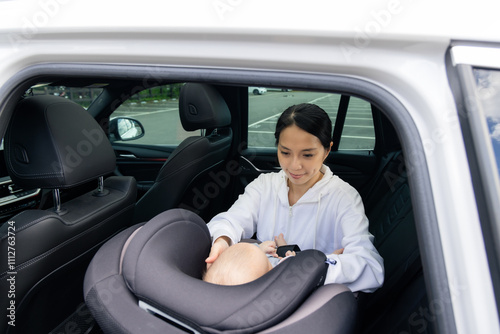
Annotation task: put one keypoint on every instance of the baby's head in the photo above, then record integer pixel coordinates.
(239, 264)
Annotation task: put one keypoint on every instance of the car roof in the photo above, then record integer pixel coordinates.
(361, 20)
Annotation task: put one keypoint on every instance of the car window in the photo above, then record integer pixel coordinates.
(358, 132)
(157, 110)
(84, 96)
(488, 91)
(265, 108)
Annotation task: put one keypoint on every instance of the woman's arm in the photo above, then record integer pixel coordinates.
(240, 221)
(359, 266)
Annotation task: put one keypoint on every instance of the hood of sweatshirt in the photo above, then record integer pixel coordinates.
(313, 194)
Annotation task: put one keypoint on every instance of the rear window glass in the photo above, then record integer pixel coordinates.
(266, 105)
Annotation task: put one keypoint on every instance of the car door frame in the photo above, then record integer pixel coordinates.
(419, 180)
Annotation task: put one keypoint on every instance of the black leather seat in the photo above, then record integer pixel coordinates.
(53, 143)
(392, 223)
(200, 107)
(155, 270)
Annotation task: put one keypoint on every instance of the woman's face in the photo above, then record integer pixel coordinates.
(301, 156)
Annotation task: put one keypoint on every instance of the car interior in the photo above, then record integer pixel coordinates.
(90, 190)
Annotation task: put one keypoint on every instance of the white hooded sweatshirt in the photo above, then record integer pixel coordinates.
(329, 216)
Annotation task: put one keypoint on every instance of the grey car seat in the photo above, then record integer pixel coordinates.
(147, 279)
(53, 143)
(200, 107)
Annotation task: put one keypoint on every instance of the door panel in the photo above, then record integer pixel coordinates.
(143, 163)
(356, 169)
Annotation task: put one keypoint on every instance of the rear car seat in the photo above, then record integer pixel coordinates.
(389, 210)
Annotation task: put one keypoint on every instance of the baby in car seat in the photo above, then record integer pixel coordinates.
(244, 262)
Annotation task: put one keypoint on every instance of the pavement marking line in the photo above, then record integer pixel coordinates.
(320, 98)
(277, 115)
(263, 120)
(351, 112)
(256, 131)
(360, 118)
(358, 137)
(263, 123)
(358, 126)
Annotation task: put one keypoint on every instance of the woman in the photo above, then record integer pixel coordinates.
(307, 203)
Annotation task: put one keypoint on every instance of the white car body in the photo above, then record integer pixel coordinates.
(399, 46)
(257, 90)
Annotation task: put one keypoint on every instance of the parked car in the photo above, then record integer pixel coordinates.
(257, 90)
(412, 88)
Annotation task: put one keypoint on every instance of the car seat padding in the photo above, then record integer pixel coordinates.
(164, 263)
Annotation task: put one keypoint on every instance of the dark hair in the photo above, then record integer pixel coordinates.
(310, 118)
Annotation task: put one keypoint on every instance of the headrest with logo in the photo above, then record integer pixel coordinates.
(202, 107)
(52, 142)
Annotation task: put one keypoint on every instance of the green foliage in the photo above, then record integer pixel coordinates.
(166, 92)
(84, 96)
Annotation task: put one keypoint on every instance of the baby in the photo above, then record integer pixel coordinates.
(244, 262)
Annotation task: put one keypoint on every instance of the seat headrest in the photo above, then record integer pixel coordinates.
(202, 107)
(164, 263)
(52, 142)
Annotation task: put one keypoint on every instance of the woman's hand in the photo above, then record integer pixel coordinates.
(219, 245)
(338, 251)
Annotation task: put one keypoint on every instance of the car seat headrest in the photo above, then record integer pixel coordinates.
(53, 142)
(164, 262)
(202, 107)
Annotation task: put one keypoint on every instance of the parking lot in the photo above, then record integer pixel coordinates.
(161, 121)
(265, 110)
